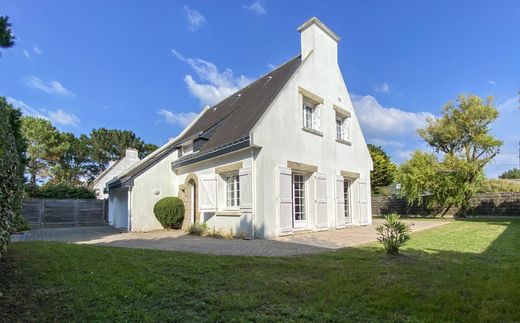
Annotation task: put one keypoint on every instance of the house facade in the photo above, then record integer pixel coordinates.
(113, 170)
(282, 155)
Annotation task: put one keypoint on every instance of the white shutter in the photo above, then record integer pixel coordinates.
(246, 188)
(340, 201)
(208, 192)
(363, 201)
(317, 117)
(285, 204)
(321, 201)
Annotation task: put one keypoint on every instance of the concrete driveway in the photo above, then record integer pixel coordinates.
(353, 236)
(177, 240)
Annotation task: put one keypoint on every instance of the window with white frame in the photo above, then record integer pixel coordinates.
(299, 197)
(311, 116)
(342, 127)
(232, 191)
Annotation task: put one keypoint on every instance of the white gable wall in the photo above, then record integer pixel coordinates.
(125, 163)
(281, 137)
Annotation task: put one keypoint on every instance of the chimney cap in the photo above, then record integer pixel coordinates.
(317, 22)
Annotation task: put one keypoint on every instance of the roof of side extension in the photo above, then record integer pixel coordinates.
(234, 117)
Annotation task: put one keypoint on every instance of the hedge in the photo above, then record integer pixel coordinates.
(12, 148)
(59, 191)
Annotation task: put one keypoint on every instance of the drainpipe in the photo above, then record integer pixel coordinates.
(253, 189)
(130, 201)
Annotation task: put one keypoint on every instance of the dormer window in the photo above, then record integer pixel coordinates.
(311, 116)
(186, 148)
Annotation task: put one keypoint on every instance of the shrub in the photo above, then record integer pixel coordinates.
(393, 233)
(198, 229)
(12, 147)
(170, 212)
(59, 191)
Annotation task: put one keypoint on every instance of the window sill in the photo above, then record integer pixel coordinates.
(314, 132)
(228, 213)
(343, 141)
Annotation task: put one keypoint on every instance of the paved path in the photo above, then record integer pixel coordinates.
(176, 240)
(353, 236)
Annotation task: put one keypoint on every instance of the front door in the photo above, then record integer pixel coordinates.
(299, 207)
(346, 192)
(193, 202)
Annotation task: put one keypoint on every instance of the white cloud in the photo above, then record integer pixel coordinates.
(61, 117)
(218, 85)
(271, 66)
(26, 53)
(509, 105)
(195, 19)
(37, 50)
(383, 88)
(181, 119)
(57, 116)
(492, 82)
(386, 143)
(380, 122)
(256, 7)
(53, 87)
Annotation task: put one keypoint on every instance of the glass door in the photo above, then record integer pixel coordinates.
(346, 192)
(299, 208)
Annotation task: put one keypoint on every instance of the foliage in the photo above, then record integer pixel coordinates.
(198, 229)
(393, 233)
(111, 144)
(6, 34)
(59, 191)
(478, 260)
(73, 165)
(170, 212)
(384, 170)
(12, 149)
(511, 174)
(499, 185)
(44, 147)
(20, 224)
(461, 137)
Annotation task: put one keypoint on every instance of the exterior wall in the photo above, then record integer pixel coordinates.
(122, 165)
(155, 183)
(281, 137)
(232, 221)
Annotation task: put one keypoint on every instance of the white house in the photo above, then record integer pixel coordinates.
(282, 155)
(115, 168)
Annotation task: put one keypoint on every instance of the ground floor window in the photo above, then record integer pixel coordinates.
(346, 193)
(299, 198)
(232, 190)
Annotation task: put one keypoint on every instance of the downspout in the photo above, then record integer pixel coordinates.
(130, 201)
(253, 188)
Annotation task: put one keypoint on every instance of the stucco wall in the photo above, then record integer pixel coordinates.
(281, 137)
(125, 163)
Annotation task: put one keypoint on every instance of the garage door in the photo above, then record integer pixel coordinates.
(121, 210)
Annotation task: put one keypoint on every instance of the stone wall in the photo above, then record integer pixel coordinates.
(488, 204)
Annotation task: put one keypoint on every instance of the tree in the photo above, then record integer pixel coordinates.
(384, 170)
(6, 36)
(44, 147)
(72, 164)
(111, 144)
(12, 150)
(511, 174)
(461, 138)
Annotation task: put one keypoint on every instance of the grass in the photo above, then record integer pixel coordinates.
(462, 271)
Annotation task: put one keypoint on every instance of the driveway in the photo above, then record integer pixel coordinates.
(177, 240)
(353, 236)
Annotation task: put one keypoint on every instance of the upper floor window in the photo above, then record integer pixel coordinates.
(342, 130)
(232, 190)
(311, 116)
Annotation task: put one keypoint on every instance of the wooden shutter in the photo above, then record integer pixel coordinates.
(363, 201)
(246, 188)
(321, 200)
(208, 192)
(340, 201)
(284, 198)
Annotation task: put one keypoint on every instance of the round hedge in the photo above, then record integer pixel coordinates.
(170, 212)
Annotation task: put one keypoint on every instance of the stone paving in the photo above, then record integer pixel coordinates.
(177, 240)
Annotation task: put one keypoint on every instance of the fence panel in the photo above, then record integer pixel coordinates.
(66, 212)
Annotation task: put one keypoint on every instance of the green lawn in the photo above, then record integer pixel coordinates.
(463, 271)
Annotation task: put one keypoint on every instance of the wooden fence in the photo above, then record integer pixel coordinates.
(65, 212)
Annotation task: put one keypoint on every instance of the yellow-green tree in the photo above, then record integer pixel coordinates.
(384, 170)
(462, 146)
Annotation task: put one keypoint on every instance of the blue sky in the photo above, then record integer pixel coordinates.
(150, 66)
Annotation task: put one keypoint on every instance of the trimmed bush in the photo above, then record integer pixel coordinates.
(393, 233)
(170, 212)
